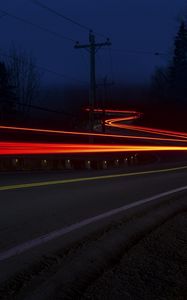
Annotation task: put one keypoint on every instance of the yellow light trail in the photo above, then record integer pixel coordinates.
(163, 136)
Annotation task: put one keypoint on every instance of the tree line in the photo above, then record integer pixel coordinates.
(170, 83)
(166, 105)
(19, 84)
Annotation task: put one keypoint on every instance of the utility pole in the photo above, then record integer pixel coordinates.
(92, 48)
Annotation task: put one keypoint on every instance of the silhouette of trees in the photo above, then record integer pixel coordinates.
(178, 68)
(7, 94)
(24, 77)
(170, 83)
(19, 85)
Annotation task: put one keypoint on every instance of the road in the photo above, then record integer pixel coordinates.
(30, 211)
(41, 212)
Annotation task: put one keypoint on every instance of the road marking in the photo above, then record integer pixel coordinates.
(74, 180)
(63, 231)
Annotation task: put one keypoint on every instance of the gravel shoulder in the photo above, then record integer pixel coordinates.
(142, 255)
(155, 268)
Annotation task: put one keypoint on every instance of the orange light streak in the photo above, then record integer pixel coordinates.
(24, 148)
(20, 148)
(108, 135)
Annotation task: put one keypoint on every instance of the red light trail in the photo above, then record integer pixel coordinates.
(156, 135)
(17, 148)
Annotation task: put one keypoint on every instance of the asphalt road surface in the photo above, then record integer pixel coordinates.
(35, 204)
(27, 212)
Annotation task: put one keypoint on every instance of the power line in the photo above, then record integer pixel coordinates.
(48, 70)
(36, 25)
(44, 6)
(42, 108)
(61, 75)
(142, 52)
(59, 14)
(46, 109)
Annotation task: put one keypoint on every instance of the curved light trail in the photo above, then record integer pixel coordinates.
(118, 119)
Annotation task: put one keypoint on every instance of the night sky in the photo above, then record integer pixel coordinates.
(147, 26)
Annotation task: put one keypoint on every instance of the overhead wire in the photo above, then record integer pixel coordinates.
(61, 75)
(142, 52)
(6, 13)
(46, 109)
(41, 108)
(47, 69)
(44, 6)
(36, 25)
(59, 14)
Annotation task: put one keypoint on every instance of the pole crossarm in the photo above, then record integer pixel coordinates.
(92, 47)
(97, 45)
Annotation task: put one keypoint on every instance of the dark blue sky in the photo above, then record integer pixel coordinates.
(137, 25)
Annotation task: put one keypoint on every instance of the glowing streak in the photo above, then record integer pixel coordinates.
(19, 148)
(108, 122)
(16, 148)
(114, 123)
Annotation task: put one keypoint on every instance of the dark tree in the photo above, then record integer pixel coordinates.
(7, 96)
(170, 83)
(178, 68)
(24, 77)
